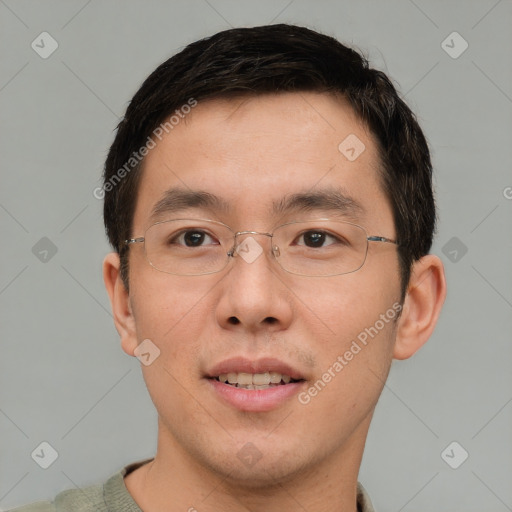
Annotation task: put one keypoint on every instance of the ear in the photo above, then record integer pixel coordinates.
(124, 319)
(422, 305)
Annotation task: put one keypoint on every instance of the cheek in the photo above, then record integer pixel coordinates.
(169, 311)
(353, 329)
(351, 376)
(172, 316)
(342, 307)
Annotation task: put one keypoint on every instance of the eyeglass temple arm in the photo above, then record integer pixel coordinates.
(134, 240)
(381, 239)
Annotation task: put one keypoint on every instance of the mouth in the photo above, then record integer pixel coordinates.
(255, 386)
(255, 381)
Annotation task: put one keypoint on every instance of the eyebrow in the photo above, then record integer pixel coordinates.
(333, 200)
(176, 200)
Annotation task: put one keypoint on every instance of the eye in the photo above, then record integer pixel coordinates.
(317, 238)
(191, 238)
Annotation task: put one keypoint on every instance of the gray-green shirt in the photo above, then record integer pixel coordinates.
(113, 496)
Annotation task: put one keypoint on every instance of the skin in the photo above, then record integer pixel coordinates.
(251, 152)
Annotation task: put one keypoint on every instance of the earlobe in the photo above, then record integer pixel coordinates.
(422, 305)
(120, 302)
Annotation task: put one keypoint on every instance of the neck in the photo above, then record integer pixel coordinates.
(175, 481)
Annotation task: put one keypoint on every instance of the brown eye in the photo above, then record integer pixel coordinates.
(191, 238)
(315, 239)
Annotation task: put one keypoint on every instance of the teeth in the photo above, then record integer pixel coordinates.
(260, 379)
(244, 379)
(275, 378)
(254, 380)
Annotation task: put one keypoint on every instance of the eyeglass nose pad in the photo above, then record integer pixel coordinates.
(233, 252)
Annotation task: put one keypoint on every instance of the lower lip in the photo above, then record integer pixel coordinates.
(256, 400)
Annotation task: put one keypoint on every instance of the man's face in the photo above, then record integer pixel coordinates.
(252, 153)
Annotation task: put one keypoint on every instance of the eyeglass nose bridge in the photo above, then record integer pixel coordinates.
(233, 251)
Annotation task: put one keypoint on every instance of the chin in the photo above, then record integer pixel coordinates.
(262, 476)
(253, 469)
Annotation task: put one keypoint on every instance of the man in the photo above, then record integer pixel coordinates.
(269, 200)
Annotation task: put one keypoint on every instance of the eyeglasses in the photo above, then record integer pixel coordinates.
(314, 248)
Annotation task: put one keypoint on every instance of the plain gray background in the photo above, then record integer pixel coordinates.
(64, 378)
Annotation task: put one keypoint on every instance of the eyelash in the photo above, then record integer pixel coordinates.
(177, 236)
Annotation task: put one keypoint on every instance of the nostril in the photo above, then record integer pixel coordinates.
(233, 320)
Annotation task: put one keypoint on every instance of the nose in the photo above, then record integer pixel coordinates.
(254, 295)
(241, 246)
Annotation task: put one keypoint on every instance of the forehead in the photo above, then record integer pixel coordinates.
(253, 155)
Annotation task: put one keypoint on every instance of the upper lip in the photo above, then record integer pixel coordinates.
(262, 365)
